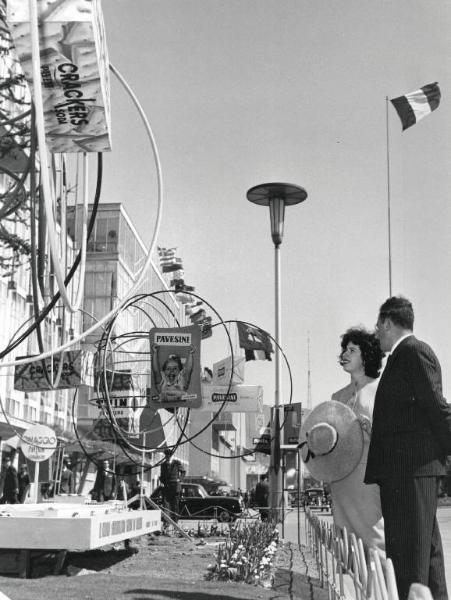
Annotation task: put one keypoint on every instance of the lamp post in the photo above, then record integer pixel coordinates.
(276, 196)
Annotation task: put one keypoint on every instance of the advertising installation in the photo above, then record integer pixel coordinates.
(227, 371)
(39, 443)
(239, 398)
(125, 399)
(40, 375)
(74, 70)
(175, 362)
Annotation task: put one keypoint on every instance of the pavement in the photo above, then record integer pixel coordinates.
(297, 576)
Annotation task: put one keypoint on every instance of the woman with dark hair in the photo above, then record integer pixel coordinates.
(357, 506)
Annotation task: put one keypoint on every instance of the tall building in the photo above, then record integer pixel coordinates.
(116, 255)
(19, 408)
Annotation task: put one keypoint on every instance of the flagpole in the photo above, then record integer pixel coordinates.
(388, 200)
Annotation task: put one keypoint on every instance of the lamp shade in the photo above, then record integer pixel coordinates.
(276, 196)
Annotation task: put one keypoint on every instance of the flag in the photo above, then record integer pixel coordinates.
(205, 328)
(179, 285)
(193, 307)
(416, 105)
(198, 316)
(169, 262)
(255, 342)
(173, 265)
(166, 253)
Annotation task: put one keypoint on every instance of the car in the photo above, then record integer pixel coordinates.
(316, 498)
(195, 503)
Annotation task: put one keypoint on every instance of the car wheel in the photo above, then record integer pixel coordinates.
(224, 516)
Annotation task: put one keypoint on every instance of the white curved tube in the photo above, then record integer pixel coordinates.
(148, 262)
(48, 191)
(84, 235)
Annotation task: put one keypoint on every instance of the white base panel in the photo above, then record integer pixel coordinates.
(72, 526)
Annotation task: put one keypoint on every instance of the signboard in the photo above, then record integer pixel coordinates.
(126, 399)
(226, 373)
(39, 443)
(292, 416)
(240, 398)
(74, 71)
(263, 442)
(104, 429)
(77, 370)
(175, 360)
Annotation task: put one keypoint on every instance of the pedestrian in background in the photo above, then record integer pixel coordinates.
(105, 483)
(171, 475)
(24, 483)
(10, 482)
(410, 439)
(67, 479)
(261, 497)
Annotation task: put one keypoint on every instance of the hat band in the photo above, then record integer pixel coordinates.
(311, 454)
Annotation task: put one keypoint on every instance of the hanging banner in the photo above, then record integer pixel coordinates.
(175, 362)
(225, 373)
(239, 398)
(77, 370)
(74, 70)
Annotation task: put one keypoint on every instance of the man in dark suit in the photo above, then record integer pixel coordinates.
(10, 483)
(171, 476)
(411, 437)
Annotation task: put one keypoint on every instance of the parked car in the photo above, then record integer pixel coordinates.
(195, 503)
(316, 498)
(295, 500)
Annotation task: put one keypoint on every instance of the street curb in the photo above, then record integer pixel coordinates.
(296, 574)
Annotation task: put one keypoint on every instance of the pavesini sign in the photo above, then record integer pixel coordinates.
(74, 70)
(239, 398)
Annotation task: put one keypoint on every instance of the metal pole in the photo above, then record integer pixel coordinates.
(388, 202)
(275, 479)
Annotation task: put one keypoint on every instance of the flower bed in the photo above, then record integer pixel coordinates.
(248, 555)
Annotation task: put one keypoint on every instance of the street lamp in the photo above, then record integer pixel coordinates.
(276, 196)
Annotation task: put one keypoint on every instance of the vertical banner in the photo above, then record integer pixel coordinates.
(175, 362)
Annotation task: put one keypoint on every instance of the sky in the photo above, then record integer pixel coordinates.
(243, 92)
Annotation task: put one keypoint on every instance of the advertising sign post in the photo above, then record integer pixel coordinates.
(38, 444)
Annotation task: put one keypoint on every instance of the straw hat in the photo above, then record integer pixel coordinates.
(331, 441)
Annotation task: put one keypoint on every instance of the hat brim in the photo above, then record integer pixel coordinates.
(346, 454)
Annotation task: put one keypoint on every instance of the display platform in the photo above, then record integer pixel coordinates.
(72, 526)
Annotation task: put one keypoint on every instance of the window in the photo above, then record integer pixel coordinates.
(105, 234)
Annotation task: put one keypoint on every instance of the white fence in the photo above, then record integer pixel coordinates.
(346, 567)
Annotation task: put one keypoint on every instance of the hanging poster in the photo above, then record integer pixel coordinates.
(74, 70)
(41, 375)
(175, 363)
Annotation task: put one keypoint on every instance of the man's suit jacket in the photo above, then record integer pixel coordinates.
(11, 485)
(411, 433)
